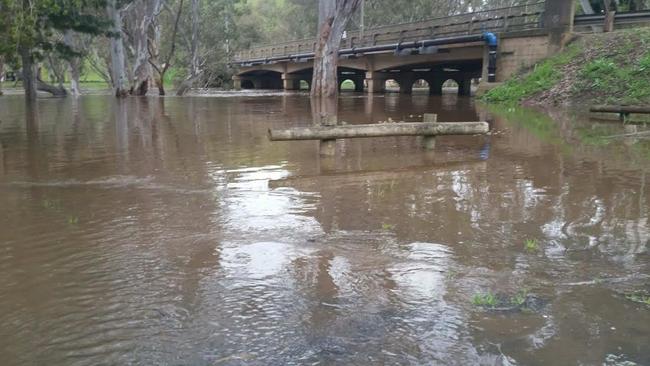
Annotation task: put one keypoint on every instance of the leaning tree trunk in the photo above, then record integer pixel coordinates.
(74, 64)
(118, 72)
(145, 11)
(333, 18)
(57, 91)
(28, 75)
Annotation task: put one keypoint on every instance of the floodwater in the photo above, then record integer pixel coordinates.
(172, 232)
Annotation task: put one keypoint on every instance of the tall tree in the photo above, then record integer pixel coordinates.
(333, 17)
(118, 60)
(143, 16)
(161, 66)
(194, 67)
(71, 40)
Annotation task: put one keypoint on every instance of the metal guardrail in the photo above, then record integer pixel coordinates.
(619, 19)
(510, 19)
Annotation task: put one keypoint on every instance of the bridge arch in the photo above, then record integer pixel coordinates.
(247, 84)
(351, 84)
(422, 86)
(392, 85)
(304, 84)
(260, 79)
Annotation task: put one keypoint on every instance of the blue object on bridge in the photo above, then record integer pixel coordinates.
(493, 44)
(491, 39)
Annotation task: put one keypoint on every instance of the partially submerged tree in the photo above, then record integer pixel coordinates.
(194, 68)
(333, 16)
(114, 9)
(161, 66)
(142, 18)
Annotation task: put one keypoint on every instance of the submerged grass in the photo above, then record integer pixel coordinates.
(640, 297)
(486, 300)
(531, 245)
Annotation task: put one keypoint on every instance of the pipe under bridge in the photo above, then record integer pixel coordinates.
(488, 45)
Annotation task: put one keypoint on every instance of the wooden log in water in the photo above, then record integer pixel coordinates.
(622, 109)
(379, 130)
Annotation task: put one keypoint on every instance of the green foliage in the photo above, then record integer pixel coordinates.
(614, 81)
(640, 297)
(531, 245)
(544, 76)
(32, 25)
(485, 300)
(519, 299)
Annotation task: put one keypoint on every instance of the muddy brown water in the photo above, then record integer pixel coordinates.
(172, 232)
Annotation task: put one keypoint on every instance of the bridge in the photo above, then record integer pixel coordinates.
(490, 45)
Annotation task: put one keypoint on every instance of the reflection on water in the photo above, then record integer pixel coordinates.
(171, 231)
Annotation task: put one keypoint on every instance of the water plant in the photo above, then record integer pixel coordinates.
(51, 203)
(487, 300)
(519, 299)
(387, 227)
(531, 245)
(640, 297)
(73, 220)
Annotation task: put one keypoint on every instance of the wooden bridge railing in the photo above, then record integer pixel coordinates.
(510, 19)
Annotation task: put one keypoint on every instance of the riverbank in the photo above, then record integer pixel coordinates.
(611, 68)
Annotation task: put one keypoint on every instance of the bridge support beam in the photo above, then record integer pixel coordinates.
(465, 86)
(290, 82)
(405, 81)
(236, 82)
(376, 82)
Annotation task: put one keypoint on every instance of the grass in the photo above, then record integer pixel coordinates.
(613, 81)
(542, 77)
(387, 227)
(531, 245)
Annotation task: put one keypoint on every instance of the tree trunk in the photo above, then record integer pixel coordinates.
(195, 72)
(145, 11)
(74, 64)
(118, 72)
(154, 51)
(2, 71)
(609, 16)
(29, 78)
(333, 17)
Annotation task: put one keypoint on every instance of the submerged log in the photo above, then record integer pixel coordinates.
(379, 130)
(622, 109)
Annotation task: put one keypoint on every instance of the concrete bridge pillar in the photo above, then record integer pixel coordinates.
(236, 82)
(376, 82)
(405, 81)
(290, 82)
(464, 86)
